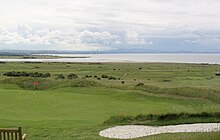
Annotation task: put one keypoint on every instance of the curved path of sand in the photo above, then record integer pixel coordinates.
(137, 131)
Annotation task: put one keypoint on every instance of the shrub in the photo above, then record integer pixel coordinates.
(112, 78)
(140, 85)
(105, 76)
(60, 76)
(217, 74)
(26, 74)
(72, 76)
(47, 75)
(166, 81)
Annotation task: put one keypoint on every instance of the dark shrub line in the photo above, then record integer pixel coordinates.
(26, 74)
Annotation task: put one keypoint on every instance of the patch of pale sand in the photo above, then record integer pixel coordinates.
(137, 131)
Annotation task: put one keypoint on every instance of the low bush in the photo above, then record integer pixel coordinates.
(217, 74)
(72, 76)
(166, 80)
(105, 76)
(140, 85)
(112, 78)
(98, 78)
(60, 76)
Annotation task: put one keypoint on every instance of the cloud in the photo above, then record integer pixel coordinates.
(10, 37)
(104, 38)
(72, 40)
(94, 24)
(133, 38)
(24, 29)
(212, 40)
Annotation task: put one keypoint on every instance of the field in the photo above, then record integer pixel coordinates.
(66, 109)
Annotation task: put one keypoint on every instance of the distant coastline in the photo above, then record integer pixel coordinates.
(34, 52)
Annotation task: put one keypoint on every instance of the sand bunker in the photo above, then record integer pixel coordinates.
(137, 131)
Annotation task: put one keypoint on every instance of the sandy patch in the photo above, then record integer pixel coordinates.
(137, 131)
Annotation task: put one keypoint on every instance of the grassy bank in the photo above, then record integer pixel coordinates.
(164, 119)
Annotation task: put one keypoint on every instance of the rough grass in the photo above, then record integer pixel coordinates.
(48, 83)
(164, 119)
(205, 93)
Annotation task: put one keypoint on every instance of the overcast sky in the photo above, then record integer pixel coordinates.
(162, 25)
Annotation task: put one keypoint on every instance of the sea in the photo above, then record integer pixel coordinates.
(204, 58)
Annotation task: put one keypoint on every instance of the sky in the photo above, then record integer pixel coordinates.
(114, 25)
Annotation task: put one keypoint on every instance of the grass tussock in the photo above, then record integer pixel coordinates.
(164, 119)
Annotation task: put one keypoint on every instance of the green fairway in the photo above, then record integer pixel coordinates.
(67, 109)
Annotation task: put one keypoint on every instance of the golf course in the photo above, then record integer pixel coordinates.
(75, 101)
